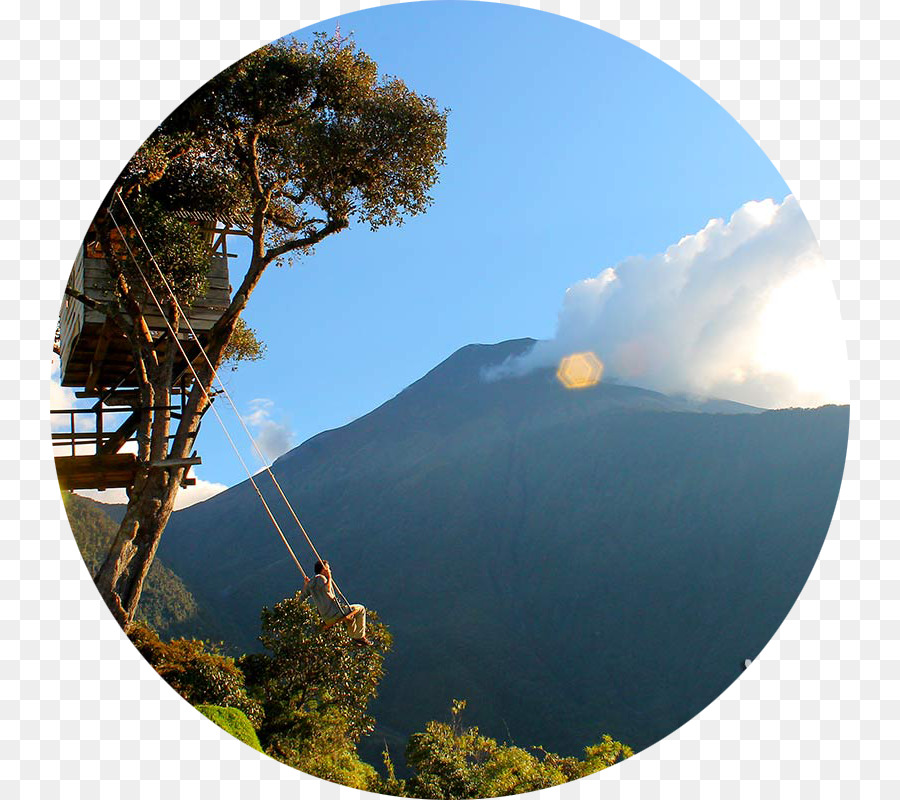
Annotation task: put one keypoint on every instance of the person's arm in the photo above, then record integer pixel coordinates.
(307, 585)
(326, 579)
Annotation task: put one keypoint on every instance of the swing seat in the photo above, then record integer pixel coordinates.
(336, 620)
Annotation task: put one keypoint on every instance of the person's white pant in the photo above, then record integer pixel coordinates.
(356, 627)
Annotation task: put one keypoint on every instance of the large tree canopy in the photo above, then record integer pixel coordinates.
(297, 139)
(289, 146)
(318, 132)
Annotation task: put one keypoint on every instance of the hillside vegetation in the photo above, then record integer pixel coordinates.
(166, 604)
(304, 701)
(571, 563)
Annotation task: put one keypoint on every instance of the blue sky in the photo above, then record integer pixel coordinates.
(569, 150)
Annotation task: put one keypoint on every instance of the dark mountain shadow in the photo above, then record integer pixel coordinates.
(570, 562)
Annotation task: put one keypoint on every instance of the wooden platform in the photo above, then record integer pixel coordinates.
(115, 470)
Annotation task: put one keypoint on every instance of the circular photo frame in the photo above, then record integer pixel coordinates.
(527, 399)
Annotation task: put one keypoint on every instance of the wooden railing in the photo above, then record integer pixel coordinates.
(105, 439)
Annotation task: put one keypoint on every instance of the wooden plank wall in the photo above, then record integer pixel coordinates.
(80, 328)
(71, 313)
(203, 314)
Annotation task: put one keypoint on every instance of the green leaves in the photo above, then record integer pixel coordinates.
(244, 345)
(311, 670)
(175, 243)
(290, 144)
(233, 721)
(315, 688)
(307, 699)
(311, 132)
(293, 142)
(319, 744)
(603, 755)
(452, 765)
(452, 762)
(197, 671)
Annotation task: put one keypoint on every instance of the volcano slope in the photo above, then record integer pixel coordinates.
(570, 562)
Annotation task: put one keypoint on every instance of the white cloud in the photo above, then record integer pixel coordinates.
(273, 438)
(741, 309)
(63, 397)
(203, 490)
(109, 496)
(188, 496)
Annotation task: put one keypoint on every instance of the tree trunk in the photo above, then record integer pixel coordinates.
(120, 578)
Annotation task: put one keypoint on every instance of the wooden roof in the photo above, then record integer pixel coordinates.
(235, 218)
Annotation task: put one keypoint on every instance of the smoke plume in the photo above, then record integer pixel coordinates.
(741, 310)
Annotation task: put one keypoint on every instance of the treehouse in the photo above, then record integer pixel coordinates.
(96, 361)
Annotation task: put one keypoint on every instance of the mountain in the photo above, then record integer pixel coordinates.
(115, 511)
(166, 604)
(570, 562)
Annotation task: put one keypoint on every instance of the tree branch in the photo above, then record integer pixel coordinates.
(294, 198)
(141, 332)
(221, 331)
(162, 392)
(145, 419)
(279, 216)
(333, 226)
(122, 322)
(254, 171)
(84, 299)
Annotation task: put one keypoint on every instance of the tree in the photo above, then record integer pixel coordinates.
(603, 755)
(315, 688)
(453, 762)
(319, 745)
(298, 140)
(446, 760)
(197, 670)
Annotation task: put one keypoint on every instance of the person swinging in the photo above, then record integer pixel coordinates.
(321, 590)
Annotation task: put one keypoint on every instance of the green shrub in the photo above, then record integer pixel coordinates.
(315, 688)
(603, 755)
(452, 762)
(308, 670)
(319, 743)
(233, 721)
(197, 671)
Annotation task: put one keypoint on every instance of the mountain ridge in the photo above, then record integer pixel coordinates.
(600, 560)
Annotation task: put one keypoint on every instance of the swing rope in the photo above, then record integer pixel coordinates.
(224, 390)
(207, 396)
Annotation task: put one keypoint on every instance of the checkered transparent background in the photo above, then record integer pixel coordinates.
(816, 83)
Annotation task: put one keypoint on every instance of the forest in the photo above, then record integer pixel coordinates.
(304, 700)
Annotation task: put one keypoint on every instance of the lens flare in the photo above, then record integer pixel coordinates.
(580, 370)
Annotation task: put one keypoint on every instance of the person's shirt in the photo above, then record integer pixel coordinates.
(325, 604)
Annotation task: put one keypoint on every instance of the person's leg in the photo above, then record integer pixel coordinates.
(356, 627)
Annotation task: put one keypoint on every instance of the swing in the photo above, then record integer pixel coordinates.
(180, 312)
(346, 618)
